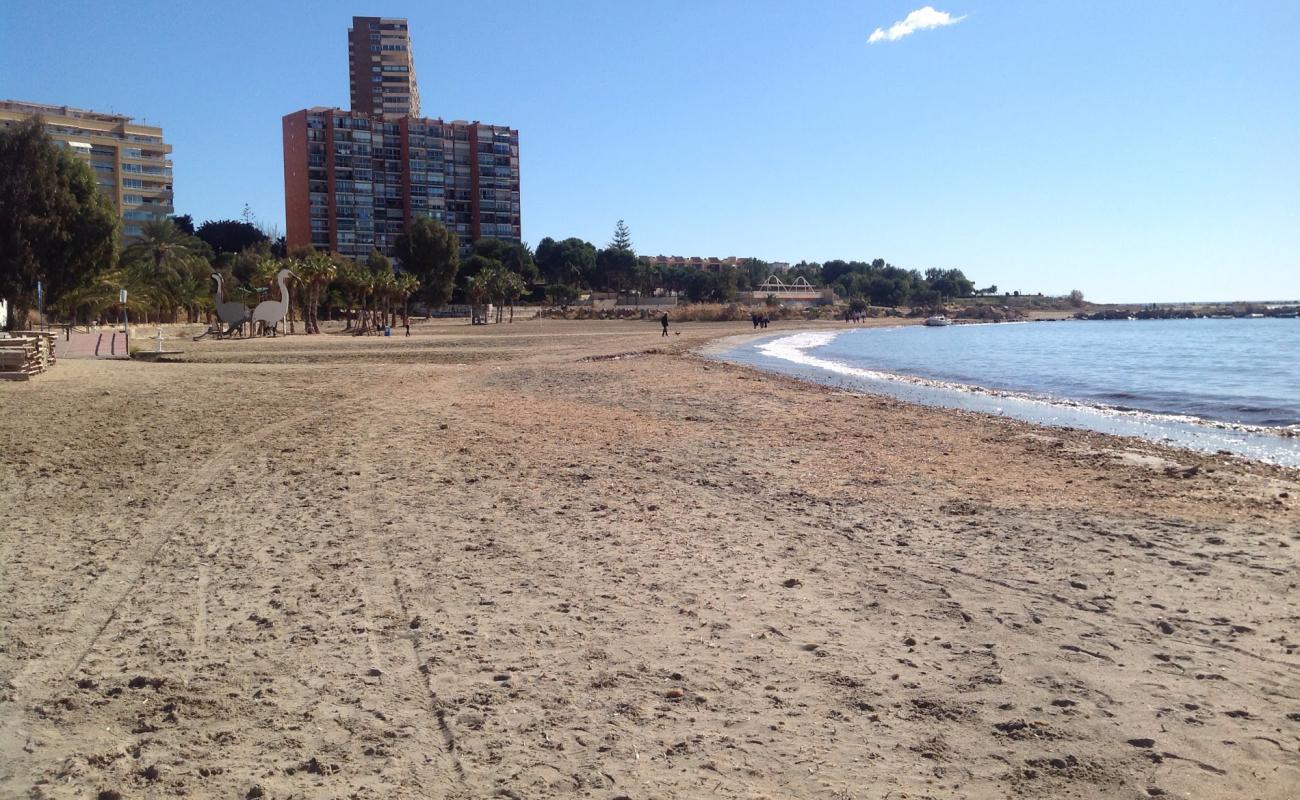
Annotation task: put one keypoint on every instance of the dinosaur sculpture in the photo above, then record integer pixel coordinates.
(271, 312)
(235, 315)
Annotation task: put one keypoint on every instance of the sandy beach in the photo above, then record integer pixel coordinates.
(501, 562)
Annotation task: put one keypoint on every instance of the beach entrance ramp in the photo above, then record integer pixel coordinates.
(93, 344)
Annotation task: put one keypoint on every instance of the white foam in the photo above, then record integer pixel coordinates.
(795, 349)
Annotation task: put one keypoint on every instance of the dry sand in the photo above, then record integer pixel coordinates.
(481, 563)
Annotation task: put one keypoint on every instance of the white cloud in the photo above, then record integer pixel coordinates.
(922, 19)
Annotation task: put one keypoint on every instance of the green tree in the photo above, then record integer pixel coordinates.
(571, 261)
(949, 283)
(316, 270)
(407, 285)
(478, 290)
(470, 268)
(354, 281)
(726, 286)
(230, 235)
(616, 265)
(382, 285)
(560, 294)
(385, 296)
(170, 268)
(430, 252)
(378, 262)
(499, 284)
(514, 255)
(246, 265)
(511, 287)
(622, 238)
(757, 271)
(56, 227)
(164, 245)
(616, 270)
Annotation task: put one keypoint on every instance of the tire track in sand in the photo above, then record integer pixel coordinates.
(201, 606)
(386, 610)
(84, 623)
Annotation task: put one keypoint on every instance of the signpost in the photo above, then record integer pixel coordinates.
(121, 299)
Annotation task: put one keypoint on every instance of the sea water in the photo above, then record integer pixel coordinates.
(1208, 384)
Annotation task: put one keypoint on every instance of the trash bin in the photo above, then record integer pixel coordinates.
(388, 330)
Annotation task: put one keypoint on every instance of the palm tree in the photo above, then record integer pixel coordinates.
(161, 267)
(190, 291)
(363, 284)
(316, 271)
(512, 288)
(351, 281)
(162, 243)
(91, 300)
(407, 285)
(385, 288)
(502, 285)
(477, 290)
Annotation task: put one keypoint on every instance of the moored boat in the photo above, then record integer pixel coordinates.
(938, 321)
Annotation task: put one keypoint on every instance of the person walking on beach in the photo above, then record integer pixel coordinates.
(408, 328)
(664, 322)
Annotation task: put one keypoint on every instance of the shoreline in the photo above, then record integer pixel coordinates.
(1181, 433)
(482, 562)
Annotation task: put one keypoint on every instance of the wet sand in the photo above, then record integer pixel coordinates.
(499, 562)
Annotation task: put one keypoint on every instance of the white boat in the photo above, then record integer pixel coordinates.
(938, 321)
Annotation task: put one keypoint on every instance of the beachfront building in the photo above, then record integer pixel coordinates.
(131, 162)
(713, 265)
(382, 68)
(353, 180)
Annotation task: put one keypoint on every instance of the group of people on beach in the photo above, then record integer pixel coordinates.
(854, 316)
(759, 320)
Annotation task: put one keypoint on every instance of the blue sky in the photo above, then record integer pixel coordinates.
(1137, 151)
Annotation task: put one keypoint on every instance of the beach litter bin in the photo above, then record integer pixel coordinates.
(388, 330)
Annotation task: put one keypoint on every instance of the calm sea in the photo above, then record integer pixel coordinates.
(1207, 384)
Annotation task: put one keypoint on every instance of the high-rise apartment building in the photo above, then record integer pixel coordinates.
(131, 162)
(354, 180)
(382, 68)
